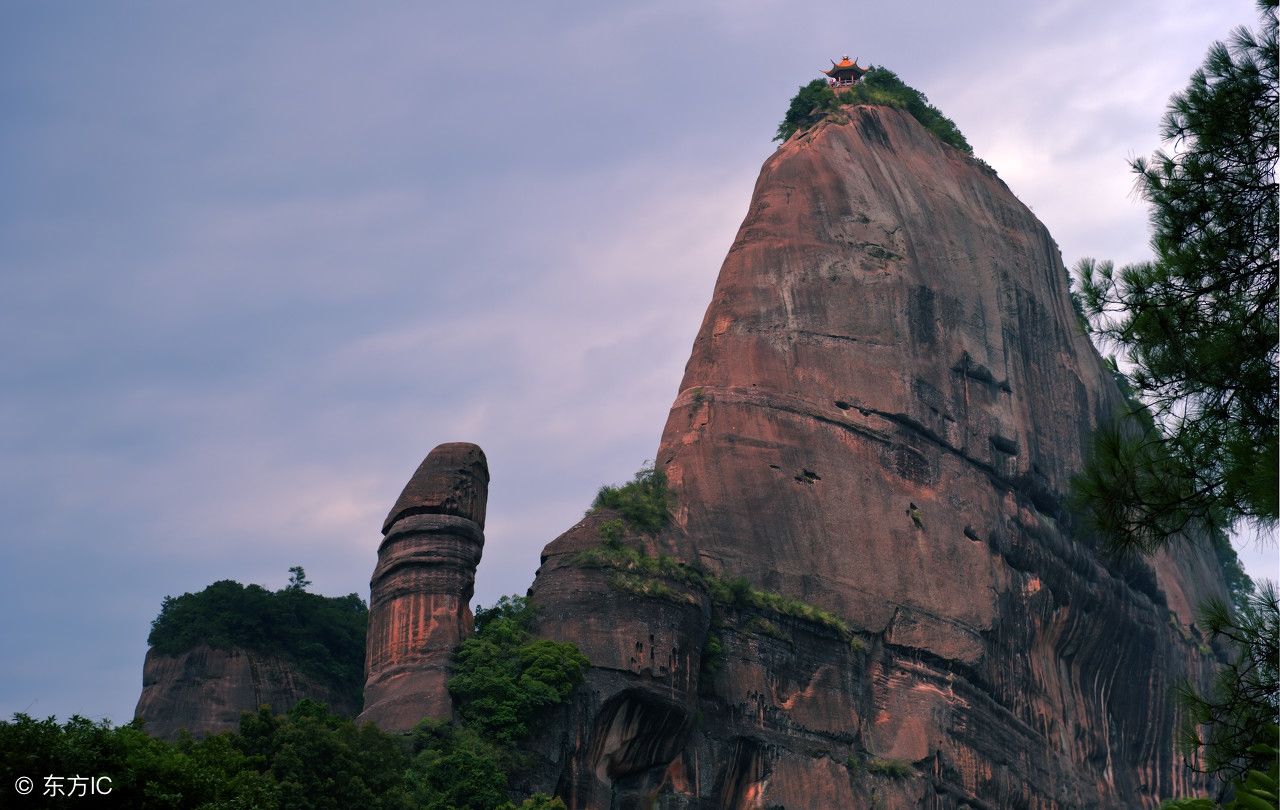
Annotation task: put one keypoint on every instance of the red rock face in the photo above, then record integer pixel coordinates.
(881, 415)
(205, 690)
(421, 589)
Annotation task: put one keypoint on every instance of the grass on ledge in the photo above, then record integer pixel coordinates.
(644, 574)
(892, 768)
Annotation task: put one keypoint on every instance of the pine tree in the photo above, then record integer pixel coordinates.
(1198, 324)
(1196, 451)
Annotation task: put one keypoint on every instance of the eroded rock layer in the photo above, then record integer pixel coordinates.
(205, 690)
(420, 593)
(880, 418)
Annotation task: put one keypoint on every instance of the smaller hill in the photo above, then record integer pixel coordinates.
(232, 647)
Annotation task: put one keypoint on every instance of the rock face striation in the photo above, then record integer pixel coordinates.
(879, 421)
(205, 690)
(420, 593)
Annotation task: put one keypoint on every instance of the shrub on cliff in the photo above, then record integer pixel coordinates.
(324, 636)
(644, 501)
(807, 107)
(503, 678)
(879, 86)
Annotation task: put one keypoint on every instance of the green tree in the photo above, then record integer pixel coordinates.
(455, 767)
(1197, 325)
(297, 579)
(1196, 450)
(503, 678)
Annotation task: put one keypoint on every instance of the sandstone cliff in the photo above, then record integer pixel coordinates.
(879, 420)
(205, 690)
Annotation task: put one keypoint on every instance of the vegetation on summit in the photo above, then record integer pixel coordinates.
(879, 86)
(323, 635)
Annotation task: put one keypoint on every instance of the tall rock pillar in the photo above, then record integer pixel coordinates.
(420, 593)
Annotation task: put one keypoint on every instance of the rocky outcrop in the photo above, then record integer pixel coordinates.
(880, 419)
(205, 690)
(420, 593)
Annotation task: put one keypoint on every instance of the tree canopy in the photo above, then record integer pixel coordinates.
(503, 678)
(303, 760)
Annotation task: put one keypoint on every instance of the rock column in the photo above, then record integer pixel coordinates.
(420, 593)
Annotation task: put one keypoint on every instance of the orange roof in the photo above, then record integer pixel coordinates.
(845, 66)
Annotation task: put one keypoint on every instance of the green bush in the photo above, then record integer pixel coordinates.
(808, 106)
(632, 560)
(738, 592)
(712, 653)
(644, 501)
(503, 678)
(611, 532)
(324, 636)
(651, 587)
(878, 86)
(455, 767)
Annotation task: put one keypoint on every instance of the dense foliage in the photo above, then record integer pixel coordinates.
(644, 501)
(1198, 324)
(324, 636)
(503, 678)
(306, 759)
(309, 758)
(878, 86)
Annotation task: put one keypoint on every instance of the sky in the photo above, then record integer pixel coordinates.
(256, 260)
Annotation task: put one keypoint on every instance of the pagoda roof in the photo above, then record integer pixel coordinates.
(845, 66)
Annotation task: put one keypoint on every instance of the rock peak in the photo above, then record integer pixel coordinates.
(421, 589)
(452, 480)
(891, 328)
